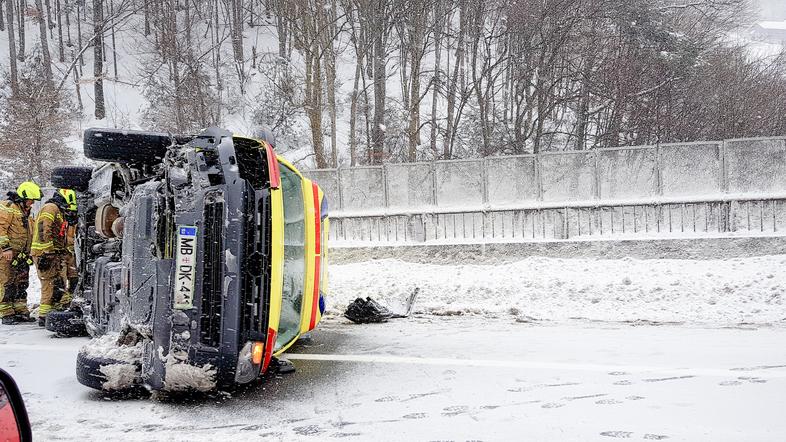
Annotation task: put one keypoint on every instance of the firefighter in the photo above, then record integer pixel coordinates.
(72, 274)
(15, 239)
(49, 250)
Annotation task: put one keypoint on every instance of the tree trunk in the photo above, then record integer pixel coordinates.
(439, 19)
(416, 56)
(69, 41)
(80, 12)
(481, 97)
(353, 113)
(328, 31)
(20, 21)
(61, 46)
(78, 90)
(98, 58)
(46, 58)
(447, 150)
(112, 27)
(582, 113)
(217, 61)
(49, 24)
(2, 16)
(314, 105)
(380, 78)
(331, 96)
(14, 79)
(174, 60)
(237, 42)
(146, 8)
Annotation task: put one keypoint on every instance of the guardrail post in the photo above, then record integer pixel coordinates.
(484, 181)
(538, 176)
(434, 184)
(565, 225)
(385, 185)
(724, 172)
(658, 171)
(340, 191)
(596, 157)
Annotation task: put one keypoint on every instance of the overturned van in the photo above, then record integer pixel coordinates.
(201, 259)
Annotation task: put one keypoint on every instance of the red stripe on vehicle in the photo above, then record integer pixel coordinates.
(274, 175)
(269, 344)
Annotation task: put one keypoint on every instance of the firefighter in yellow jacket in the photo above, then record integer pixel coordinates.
(72, 273)
(15, 261)
(50, 249)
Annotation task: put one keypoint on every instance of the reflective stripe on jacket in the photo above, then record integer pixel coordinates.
(15, 228)
(50, 231)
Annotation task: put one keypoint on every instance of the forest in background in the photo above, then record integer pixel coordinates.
(354, 82)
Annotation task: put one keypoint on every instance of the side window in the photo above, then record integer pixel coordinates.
(294, 256)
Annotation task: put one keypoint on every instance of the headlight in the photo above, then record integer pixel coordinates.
(249, 362)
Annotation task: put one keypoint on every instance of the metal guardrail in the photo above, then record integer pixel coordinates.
(758, 216)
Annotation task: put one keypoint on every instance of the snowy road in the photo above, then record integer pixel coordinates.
(461, 378)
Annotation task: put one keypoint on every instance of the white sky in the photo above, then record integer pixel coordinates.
(773, 9)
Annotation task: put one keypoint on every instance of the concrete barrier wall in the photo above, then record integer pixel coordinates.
(744, 167)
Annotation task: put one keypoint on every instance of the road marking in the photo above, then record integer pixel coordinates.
(384, 359)
(768, 371)
(47, 348)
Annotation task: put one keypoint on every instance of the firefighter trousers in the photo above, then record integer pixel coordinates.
(13, 288)
(53, 288)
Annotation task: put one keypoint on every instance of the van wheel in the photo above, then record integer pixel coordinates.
(126, 146)
(66, 324)
(72, 177)
(107, 374)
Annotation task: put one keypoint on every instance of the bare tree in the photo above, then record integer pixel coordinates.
(47, 59)
(60, 45)
(447, 150)
(13, 72)
(21, 9)
(98, 58)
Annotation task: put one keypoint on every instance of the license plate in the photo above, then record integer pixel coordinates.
(185, 267)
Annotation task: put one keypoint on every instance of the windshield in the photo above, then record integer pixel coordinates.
(294, 257)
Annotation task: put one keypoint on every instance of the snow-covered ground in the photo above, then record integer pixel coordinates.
(536, 349)
(457, 378)
(721, 292)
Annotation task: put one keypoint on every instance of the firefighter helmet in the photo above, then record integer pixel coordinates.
(70, 197)
(29, 191)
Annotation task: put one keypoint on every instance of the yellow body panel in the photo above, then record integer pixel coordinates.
(277, 257)
(308, 290)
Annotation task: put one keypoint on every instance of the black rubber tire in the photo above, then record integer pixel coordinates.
(72, 177)
(126, 146)
(88, 371)
(60, 323)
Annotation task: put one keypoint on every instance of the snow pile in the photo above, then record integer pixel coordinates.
(731, 291)
(123, 371)
(106, 347)
(182, 376)
(186, 377)
(119, 376)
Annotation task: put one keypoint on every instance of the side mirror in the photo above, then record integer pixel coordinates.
(14, 423)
